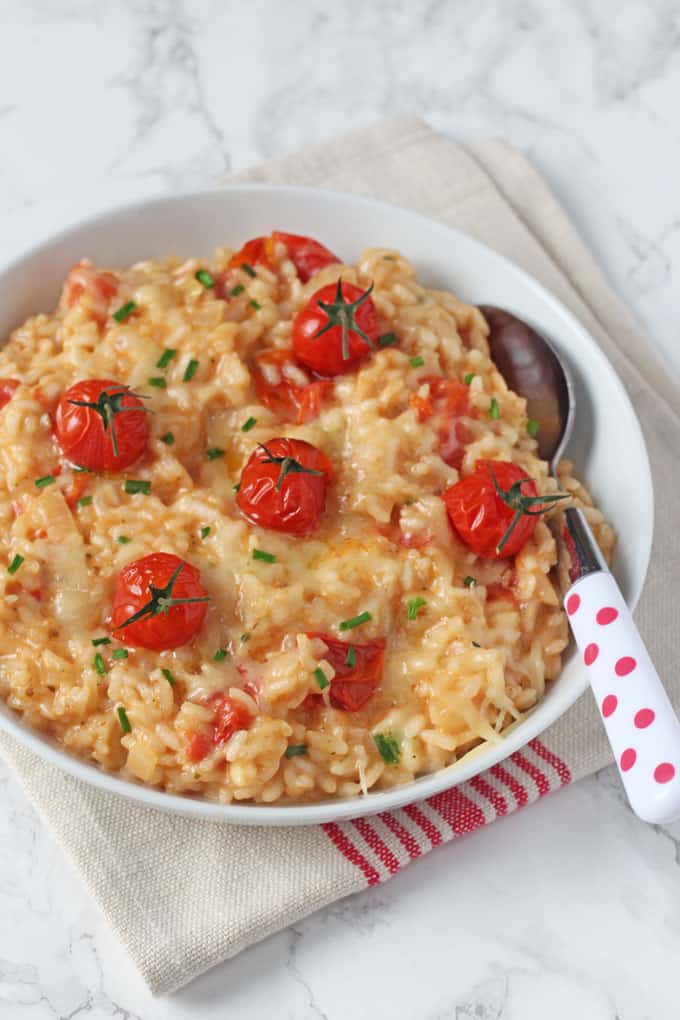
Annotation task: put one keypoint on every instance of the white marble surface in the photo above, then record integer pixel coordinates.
(572, 908)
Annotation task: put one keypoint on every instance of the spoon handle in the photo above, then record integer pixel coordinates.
(641, 724)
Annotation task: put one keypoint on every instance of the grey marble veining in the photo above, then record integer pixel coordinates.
(568, 910)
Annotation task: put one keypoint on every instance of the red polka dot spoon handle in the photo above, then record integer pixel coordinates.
(639, 719)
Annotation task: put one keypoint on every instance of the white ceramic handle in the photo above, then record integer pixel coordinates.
(641, 725)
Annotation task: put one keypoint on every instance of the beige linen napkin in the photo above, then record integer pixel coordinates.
(207, 901)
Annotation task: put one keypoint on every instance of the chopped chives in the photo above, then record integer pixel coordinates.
(123, 539)
(190, 370)
(413, 606)
(469, 582)
(123, 720)
(119, 653)
(387, 339)
(245, 637)
(84, 501)
(206, 278)
(294, 750)
(389, 749)
(248, 269)
(238, 289)
(220, 655)
(259, 554)
(533, 427)
(101, 641)
(40, 483)
(213, 452)
(417, 361)
(248, 425)
(124, 310)
(468, 378)
(236, 486)
(168, 439)
(166, 357)
(356, 621)
(168, 676)
(321, 678)
(15, 564)
(80, 470)
(351, 657)
(255, 304)
(158, 381)
(475, 645)
(494, 410)
(99, 664)
(205, 531)
(134, 487)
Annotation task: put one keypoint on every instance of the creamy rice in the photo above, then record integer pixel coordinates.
(466, 667)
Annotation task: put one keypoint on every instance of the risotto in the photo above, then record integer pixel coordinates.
(264, 521)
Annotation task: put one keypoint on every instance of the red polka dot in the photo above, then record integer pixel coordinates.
(573, 602)
(609, 705)
(606, 615)
(625, 665)
(627, 759)
(664, 772)
(644, 718)
(590, 654)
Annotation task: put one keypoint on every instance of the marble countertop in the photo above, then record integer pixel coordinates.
(570, 909)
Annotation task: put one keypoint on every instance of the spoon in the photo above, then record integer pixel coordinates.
(641, 724)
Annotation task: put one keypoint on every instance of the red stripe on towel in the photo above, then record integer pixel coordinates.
(377, 844)
(348, 850)
(409, 842)
(538, 777)
(495, 799)
(561, 767)
(518, 791)
(458, 811)
(424, 823)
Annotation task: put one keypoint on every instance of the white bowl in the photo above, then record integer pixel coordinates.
(607, 444)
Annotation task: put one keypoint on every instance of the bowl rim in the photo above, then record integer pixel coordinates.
(476, 761)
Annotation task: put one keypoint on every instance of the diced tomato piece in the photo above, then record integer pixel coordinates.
(199, 745)
(275, 375)
(76, 488)
(352, 686)
(228, 717)
(421, 405)
(92, 287)
(449, 401)
(7, 388)
(499, 593)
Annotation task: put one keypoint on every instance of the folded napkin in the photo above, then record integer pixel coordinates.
(217, 889)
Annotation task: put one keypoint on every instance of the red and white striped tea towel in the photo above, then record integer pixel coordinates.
(183, 917)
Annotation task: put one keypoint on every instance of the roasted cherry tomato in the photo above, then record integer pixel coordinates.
(446, 404)
(229, 716)
(159, 602)
(283, 486)
(286, 388)
(355, 682)
(93, 288)
(495, 509)
(101, 425)
(257, 252)
(336, 329)
(306, 254)
(7, 388)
